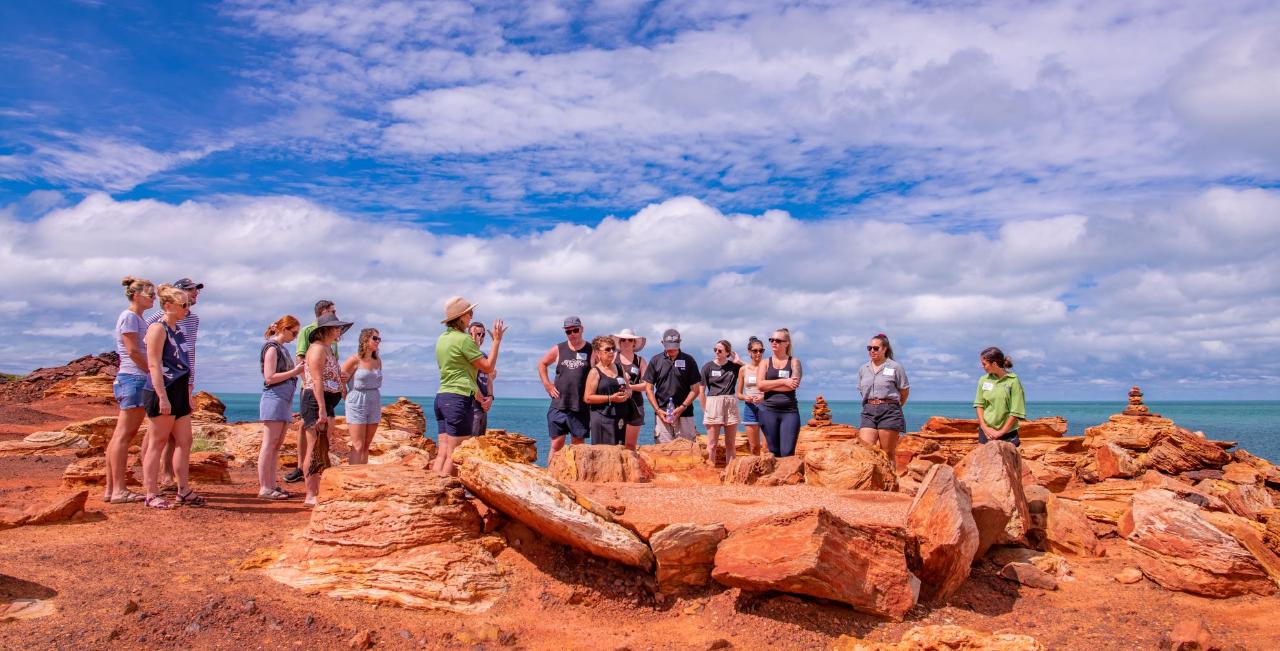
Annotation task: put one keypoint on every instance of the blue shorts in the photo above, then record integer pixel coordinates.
(454, 413)
(750, 413)
(574, 423)
(129, 388)
(1009, 437)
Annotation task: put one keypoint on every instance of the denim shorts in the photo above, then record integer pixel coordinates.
(750, 413)
(129, 388)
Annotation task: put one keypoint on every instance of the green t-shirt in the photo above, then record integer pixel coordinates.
(304, 343)
(999, 398)
(455, 353)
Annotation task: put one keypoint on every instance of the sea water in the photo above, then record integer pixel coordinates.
(1254, 425)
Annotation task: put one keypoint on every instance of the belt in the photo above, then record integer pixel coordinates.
(878, 401)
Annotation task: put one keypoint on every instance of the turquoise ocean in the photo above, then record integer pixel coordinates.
(1254, 425)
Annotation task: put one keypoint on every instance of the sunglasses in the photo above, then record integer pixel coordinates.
(572, 331)
(756, 350)
(607, 350)
(871, 348)
(626, 341)
(376, 338)
(777, 341)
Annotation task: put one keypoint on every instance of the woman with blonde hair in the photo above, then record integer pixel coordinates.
(129, 386)
(364, 395)
(720, 401)
(280, 373)
(780, 417)
(321, 391)
(168, 400)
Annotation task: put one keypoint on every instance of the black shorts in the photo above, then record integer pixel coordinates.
(311, 408)
(886, 415)
(607, 429)
(179, 393)
(455, 414)
(574, 423)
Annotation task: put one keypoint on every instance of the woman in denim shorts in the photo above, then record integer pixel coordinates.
(750, 395)
(130, 384)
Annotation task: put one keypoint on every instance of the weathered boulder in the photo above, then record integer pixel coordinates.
(678, 462)
(598, 463)
(514, 446)
(404, 414)
(849, 466)
(1050, 427)
(43, 442)
(1268, 472)
(787, 471)
(1244, 500)
(993, 474)
(813, 552)
(98, 431)
(1029, 575)
(243, 442)
(1181, 451)
(1105, 501)
(943, 637)
(1114, 462)
(525, 493)
(1067, 529)
(941, 519)
(207, 408)
(58, 510)
(1129, 431)
(749, 468)
(811, 439)
(393, 534)
(89, 388)
(910, 447)
(91, 471)
(1180, 549)
(1184, 490)
(1042, 474)
(209, 468)
(1191, 635)
(685, 554)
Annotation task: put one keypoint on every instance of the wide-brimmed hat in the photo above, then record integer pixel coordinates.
(627, 333)
(328, 321)
(456, 307)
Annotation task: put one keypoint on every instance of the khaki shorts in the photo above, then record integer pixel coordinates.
(683, 429)
(721, 410)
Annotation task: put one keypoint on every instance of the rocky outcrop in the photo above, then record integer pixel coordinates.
(1133, 429)
(207, 408)
(1106, 501)
(1042, 474)
(1182, 451)
(98, 431)
(685, 554)
(209, 468)
(404, 414)
(993, 474)
(911, 447)
(812, 552)
(59, 510)
(941, 519)
(1051, 427)
(812, 439)
(1067, 529)
(679, 462)
(849, 466)
(43, 443)
(33, 386)
(528, 495)
(787, 471)
(748, 468)
(944, 637)
(1114, 462)
(91, 471)
(598, 463)
(243, 441)
(515, 447)
(1244, 500)
(1180, 549)
(393, 534)
(87, 388)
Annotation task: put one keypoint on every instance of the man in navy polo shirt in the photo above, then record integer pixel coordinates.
(674, 383)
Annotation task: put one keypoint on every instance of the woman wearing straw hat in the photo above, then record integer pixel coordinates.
(629, 345)
(321, 392)
(459, 359)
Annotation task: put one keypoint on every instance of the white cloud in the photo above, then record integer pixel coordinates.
(107, 163)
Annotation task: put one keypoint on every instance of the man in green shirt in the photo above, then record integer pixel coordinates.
(1000, 401)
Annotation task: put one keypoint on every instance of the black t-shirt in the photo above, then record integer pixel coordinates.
(721, 380)
(672, 379)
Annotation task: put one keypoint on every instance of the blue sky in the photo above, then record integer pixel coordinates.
(1091, 186)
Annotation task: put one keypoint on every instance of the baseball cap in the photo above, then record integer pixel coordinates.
(572, 322)
(186, 284)
(671, 339)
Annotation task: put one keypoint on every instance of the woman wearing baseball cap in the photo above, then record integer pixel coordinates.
(459, 360)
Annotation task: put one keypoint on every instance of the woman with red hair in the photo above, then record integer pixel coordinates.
(280, 373)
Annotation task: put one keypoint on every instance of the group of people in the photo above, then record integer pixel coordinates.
(598, 391)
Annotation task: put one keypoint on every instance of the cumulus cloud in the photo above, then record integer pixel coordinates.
(1109, 297)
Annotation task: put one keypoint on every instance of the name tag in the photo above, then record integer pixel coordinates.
(680, 364)
(889, 372)
(582, 356)
(782, 375)
(622, 383)
(751, 379)
(635, 369)
(716, 373)
(987, 386)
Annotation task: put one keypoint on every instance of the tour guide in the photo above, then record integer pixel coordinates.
(674, 383)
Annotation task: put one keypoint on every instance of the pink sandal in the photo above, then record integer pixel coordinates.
(157, 502)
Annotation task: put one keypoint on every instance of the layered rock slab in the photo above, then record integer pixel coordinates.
(599, 463)
(993, 474)
(685, 554)
(941, 519)
(815, 553)
(849, 466)
(944, 637)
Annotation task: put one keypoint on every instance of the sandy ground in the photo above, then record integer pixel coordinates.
(126, 577)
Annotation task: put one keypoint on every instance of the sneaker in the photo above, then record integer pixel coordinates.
(294, 476)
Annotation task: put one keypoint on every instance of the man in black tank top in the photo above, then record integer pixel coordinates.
(569, 413)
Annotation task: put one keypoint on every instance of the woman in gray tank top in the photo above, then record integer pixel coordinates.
(280, 371)
(364, 394)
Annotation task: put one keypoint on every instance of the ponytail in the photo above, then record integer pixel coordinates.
(996, 356)
(286, 322)
(884, 341)
(134, 286)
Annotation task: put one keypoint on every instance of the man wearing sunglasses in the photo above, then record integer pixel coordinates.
(569, 415)
(484, 385)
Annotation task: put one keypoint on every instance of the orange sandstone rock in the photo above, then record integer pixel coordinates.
(685, 554)
(598, 463)
(849, 466)
(404, 414)
(209, 468)
(207, 408)
(749, 469)
(1114, 462)
(993, 474)
(1067, 529)
(945, 637)
(98, 431)
(91, 471)
(941, 519)
(1180, 451)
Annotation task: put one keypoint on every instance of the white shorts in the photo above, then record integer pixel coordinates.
(721, 410)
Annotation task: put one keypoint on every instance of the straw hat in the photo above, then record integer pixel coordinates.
(627, 333)
(456, 307)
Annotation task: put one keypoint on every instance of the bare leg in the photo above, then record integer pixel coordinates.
(753, 438)
(158, 434)
(868, 436)
(269, 456)
(447, 445)
(889, 443)
(557, 443)
(713, 441)
(633, 436)
(312, 481)
(355, 436)
(576, 441)
(167, 475)
(369, 432)
(182, 453)
(730, 442)
(127, 424)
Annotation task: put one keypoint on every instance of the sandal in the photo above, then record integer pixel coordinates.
(157, 502)
(128, 498)
(190, 498)
(274, 494)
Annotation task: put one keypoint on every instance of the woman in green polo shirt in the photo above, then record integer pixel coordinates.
(459, 359)
(1000, 402)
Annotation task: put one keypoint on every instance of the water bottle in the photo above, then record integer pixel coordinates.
(671, 411)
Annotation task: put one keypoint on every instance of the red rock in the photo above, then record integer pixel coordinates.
(33, 385)
(1181, 550)
(819, 438)
(598, 463)
(849, 466)
(59, 510)
(1191, 635)
(382, 508)
(1128, 576)
(1114, 462)
(943, 637)
(1180, 451)
(749, 469)
(98, 431)
(1029, 575)
(209, 468)
(207, 408)
(911, 447)
(812, 552)
(513, 446)
(1051, 427)
(675, 456)
(1105, 501)
(685, 554)
(1067, 529)
(1129, 431)
(1241, 473)
(1251, 536)
(1244, 500)
(89, 388)
(1185, 491)
(528, 495)
(787, 471)
(91, 472)
(1040, 474)
(941, 519)
(993, 474)
(404, 414)
(1267, 471)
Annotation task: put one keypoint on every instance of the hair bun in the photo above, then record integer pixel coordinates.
(128, 280)
(881, 335)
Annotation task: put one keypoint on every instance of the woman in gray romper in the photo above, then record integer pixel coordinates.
(364, 395)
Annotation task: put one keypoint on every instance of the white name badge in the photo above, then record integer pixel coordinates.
(716, 373)
(635, 369)
(987, 386)
(782, 375)
(582, 355)
(680, 363)
(751, 379)
(889, 372)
